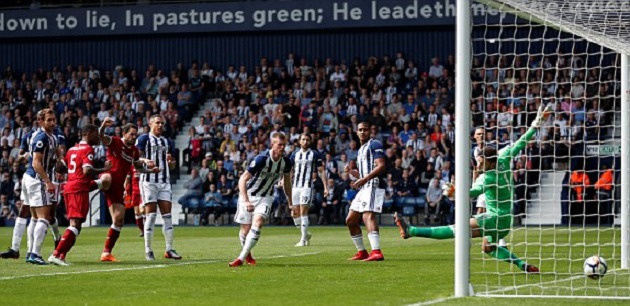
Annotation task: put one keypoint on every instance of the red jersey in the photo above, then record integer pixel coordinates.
(78, 157)
(135, 180)
(121, 157)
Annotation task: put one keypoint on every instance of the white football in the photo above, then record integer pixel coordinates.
(595, 267)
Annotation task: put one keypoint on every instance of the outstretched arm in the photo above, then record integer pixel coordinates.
(543, 113)
(107, 122)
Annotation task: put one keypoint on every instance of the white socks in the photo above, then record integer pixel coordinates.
(298, 222)
(18, 232)
(54, 228)
(149, 227)
(242, 238)
(30, 235)
(304, 228)
(250, 242)
(38, 236)
(358, 242)
(375, 240)
(167, 230)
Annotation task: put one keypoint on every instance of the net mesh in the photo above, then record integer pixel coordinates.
(557, 53)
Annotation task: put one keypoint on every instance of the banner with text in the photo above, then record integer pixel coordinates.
(232, 17)
(606, 148)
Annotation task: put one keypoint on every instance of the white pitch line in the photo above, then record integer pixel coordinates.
(431, 302)
(511, 288)
(145, 267)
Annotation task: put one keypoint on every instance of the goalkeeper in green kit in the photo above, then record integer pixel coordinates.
(498, 187)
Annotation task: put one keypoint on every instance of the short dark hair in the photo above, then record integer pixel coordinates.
(128, 127)
(369, 125)
(490, 154)
(89, 128)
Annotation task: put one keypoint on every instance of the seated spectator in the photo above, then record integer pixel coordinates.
(406, 188)
(390, 194)
(213, 204)
(193, 194)
(434, 198)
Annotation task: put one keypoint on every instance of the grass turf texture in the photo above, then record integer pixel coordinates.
(414, 271)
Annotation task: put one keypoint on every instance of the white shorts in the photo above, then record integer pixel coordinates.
(262, 206)
(23, 195)
(481, 200)
(368, 199)
(302, 196)
(153, 192)
(56, 197)
(34, 192)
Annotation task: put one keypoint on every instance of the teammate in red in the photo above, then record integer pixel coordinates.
(132, 188)
(123, 155)
(76, 192)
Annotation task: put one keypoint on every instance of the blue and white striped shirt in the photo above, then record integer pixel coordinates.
(46, 144)
(366, 162)
(266, 173)
(155, 148)
(305, 162)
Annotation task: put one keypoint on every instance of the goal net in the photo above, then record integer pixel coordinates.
(567, 54)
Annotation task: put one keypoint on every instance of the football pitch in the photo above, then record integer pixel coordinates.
(415, 271)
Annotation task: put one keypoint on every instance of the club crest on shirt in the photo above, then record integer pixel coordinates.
(39, 144)
(252, 164)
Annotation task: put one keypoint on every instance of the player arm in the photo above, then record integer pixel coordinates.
(242, 186)
(380, 168)
(322, 176)
(169, 157)
(477, 188)
(22, 155)
(106, 140)
(143, 165)
(127, 182)
(288, 189)
(90, 170)
(38, 166)
(522, 142)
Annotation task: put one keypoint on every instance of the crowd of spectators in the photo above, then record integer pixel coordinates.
(412, 112)
(411, 109)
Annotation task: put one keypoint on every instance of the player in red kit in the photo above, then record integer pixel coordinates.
(123, 155)
(76, 192)
(132, 188)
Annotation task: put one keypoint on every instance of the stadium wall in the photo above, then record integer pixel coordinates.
(220, 49)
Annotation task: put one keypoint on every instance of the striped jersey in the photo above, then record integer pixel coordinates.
(304, 164)
(46, 144)
(266, 173)
(26, 139)
(366, 162)
(155, 148)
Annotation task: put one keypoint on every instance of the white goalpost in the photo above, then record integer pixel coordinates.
(573, 55)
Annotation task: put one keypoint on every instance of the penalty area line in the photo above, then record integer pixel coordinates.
(146, 267)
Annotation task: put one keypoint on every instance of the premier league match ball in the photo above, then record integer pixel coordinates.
(595, 267)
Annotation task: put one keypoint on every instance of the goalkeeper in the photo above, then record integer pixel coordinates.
(498, 187)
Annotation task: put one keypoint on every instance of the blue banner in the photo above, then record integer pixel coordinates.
(231, 17)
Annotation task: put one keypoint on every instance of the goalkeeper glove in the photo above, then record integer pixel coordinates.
(542, 115)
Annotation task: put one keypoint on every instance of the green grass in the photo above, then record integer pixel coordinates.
(415, 271)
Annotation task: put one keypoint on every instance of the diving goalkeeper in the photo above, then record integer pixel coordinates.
(498, 187)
